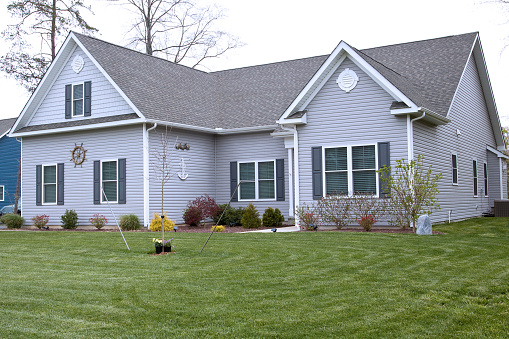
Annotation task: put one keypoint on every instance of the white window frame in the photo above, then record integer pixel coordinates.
(2, 198)
(475, 175)
(43, 198)
(350, 169)
(82, 100)
(103, 200)
(452, 169)
(485, 172)
(257, 180)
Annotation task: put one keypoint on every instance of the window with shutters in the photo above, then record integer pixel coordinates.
(350, 170)
(257, 180)
(49, 184)
(77, 100)
(109, 181)
(2, 193)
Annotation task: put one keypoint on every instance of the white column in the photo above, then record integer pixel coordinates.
(500, 160)
(290, 182)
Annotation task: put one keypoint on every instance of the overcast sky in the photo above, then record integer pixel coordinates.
(277, 30)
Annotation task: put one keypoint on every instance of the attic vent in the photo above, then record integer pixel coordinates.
(77, 64)
(347, 80)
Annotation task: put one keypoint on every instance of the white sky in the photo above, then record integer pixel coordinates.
(277, 30)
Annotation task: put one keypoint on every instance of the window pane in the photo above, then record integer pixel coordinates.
(266, 170)
(110, 190)
(50, 193)
(363, 157)
(110, 170)
(364, 182)
(77, 92)
(247, 190)
(266, 189)
(336, 159)
(50, 174)
(78, 107)
(1, 193)
(455, 176)
(247, 171)
(336, 183)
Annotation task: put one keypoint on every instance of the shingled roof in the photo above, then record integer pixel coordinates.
(5, 125)
(427, 72)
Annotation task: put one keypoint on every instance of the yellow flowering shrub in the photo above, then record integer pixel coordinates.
(219, 228)
(156, 222)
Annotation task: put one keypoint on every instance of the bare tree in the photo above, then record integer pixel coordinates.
(178, 30)
(44, 21)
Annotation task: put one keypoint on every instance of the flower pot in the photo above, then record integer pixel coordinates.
(159, 249)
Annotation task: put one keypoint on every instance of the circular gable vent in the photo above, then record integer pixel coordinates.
(77, 64)
(347, 80)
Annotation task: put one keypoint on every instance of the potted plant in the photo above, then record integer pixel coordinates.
(162, 246)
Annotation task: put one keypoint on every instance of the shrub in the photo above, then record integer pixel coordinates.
(219, 228)
(40, 220)
(272, 217)
(232, 216)
(192, 215)
(308, 215)
(156, 223)
(99, 221)
(335, 209)
(13, 220)
(368, 209)
(366, 222)
(206, 205)
(69, 219)
(251, 217)
(129, 222)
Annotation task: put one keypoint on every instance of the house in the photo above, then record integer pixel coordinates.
(291, 131)
(10, 154)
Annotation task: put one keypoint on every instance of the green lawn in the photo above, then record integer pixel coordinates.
(284, 285)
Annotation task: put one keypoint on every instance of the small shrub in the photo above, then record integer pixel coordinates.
(69, 219)
(368, 209)
(232, 216)
(156, 223)
(272, 217)
(251, 217)
(129, 222)
(219, 228)
(367, 222)
(192, 215)
(13, 220)
(40, 220)
(99, 221)
(308, 215)
(335, 209)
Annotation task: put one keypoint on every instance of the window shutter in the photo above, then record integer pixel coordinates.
(68, 101)
(97, 182)
(121, 181)
(88, 99)
(233, 181)
(384, 159)
(316, 160)
(38, 185)
(280, 179)
(60, 184)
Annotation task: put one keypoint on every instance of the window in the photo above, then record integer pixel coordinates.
(257, 180)
(474, 164)
(485, 179)
(351, 170)
(109, 181)
(49, 184)
(1, 193)
(454, 169)
(77, 100)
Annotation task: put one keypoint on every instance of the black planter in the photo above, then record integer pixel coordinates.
(159, 249)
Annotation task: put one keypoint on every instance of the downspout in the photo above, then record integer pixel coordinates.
(501, 177)
(410, 134)
(146, 175)
(295, 166)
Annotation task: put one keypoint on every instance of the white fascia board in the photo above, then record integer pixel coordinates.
(247, 129)
(218, 131)
(430, 116)
(106, 75)
(496, 152)
(78, 128)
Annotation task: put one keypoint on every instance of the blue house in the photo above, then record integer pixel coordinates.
(10, 155)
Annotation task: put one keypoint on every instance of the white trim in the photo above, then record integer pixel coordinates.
(257, 180)
(3, 192)
(146, 179)
(43, 188)
(475, 178)
(101, 181)
(290, 182)
(501, 169)
(497, 152)
(6, 132)
(485, 177)
(82, 100)
(457, 169)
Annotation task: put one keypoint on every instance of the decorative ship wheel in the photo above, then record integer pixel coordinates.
(78, 155)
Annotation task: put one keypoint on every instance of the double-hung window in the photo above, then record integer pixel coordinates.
(2, 193)
(351, 170)
(109, 181)
(474, 165)
(49, 184)
(77, 100)
(257, 180)
(454, 159)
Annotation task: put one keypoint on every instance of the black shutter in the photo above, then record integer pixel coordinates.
(88, 99)
(384, 159)
(316, 160)
(60, 184)
(280, 179)
(121, 181)
(68, 101)
(233, 181)
(97, 182)
(38, 185)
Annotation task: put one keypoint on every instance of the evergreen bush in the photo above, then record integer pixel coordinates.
(129, 222)
(251, 217)
(13, 220)
(69, 219)
(272, 217)
(232, 216)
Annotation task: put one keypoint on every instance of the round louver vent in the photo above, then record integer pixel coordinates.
(77, 63)
(347, 80)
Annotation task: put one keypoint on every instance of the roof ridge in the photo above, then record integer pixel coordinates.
(419, 41)
(271, 63)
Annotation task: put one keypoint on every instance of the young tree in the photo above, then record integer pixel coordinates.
(43, 21)
(412, 191)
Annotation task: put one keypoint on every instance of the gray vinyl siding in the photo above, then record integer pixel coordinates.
(103, 144)
(493, 177)
(199, 161)
(246, 148)
(336, 118)
(469, 115)
(106, 101)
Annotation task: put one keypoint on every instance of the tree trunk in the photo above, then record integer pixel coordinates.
(53, 29)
